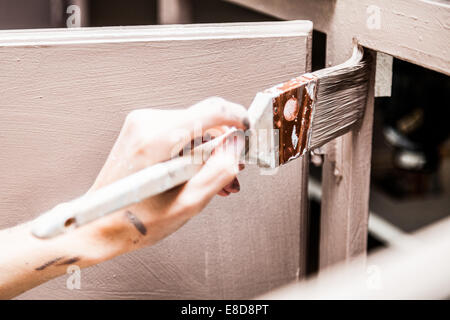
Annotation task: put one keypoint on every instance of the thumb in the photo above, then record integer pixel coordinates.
(215, 111)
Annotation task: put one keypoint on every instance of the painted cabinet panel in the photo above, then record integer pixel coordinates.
(63, 97)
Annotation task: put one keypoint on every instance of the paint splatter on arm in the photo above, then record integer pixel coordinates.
(48, 264)
(69, 261)
(136, 222)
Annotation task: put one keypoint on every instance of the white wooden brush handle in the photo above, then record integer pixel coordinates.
(132, 189)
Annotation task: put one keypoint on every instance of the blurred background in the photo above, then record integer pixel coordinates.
(410, 185)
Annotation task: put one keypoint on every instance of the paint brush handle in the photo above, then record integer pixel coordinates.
(132, 189)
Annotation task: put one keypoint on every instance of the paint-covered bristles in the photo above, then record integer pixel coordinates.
(308, 111)
(341, 98)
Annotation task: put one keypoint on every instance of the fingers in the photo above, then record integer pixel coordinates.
(207, 136)
(215, 112)
(223, 193)
(233, 186)
(166, 132)
(219, 171)
(211, 115)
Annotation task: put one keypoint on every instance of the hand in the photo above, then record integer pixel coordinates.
(147, 137)
(150, 136)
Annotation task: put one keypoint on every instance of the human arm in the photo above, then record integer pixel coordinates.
(148, 136)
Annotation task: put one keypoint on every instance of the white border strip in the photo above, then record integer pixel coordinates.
(153, 33)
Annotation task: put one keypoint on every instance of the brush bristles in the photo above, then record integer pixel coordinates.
(308, 111)
(341, 97)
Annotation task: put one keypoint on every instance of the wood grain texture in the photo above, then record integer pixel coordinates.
(64, 97)
(417, 31)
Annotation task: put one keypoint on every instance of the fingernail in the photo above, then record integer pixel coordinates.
(235, 185)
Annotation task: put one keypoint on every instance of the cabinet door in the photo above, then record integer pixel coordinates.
(63, 97)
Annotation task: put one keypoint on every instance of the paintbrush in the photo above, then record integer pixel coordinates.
(286, 121)
(134, 188)
(306, 112)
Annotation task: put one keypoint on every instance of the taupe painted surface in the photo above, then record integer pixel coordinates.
(346, 188)
(175, 11)
(15, 14)
(62, 103)
(21, 14)
(59, 15)
(346, 166)
(417, 31)
(383, 75)
(413, 30)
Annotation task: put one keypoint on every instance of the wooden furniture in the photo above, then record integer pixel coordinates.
(65, 94)
(412, 30)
